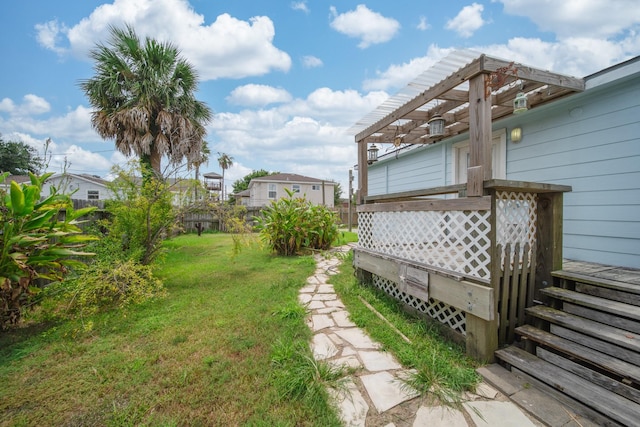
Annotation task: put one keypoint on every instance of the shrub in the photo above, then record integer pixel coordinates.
(34, 242)
(104, 286)
(141, 216)
(292, 224)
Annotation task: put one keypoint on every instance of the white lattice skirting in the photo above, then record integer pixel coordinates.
(452, 240)
(443, 313)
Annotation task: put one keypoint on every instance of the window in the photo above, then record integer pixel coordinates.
(295, 188)
(272, 191)
(315, 187)
(93, 194)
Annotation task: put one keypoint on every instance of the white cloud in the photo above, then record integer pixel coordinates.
(258, 95)
(306, 136)
(468, 20)
(75, 125)
(311, 61)
(397, 76)
(423, 24)
(33, 104)
(7, 105)
(48, 35)
(300, 5)
(578, 18)
(226, 48)
(370, 27)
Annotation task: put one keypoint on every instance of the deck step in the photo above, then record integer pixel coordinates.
(616, 308)
(590, 375)
(602, 361)
(611, 294)
(603, 400)
(598, 330)
(597, 281)
(599, 316)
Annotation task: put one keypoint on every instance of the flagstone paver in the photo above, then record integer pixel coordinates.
(353, 407)
(385, 390)
(378, 379)
(431, 416)
(323, 347)
(378, 361)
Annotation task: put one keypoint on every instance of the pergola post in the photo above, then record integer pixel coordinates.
(480, 135)
(363, 171)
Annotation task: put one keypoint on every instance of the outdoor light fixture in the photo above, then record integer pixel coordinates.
(372, 154)
(520, 103)
(516, 135)
(436, 126)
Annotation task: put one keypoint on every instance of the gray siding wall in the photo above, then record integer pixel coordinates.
(419, 168)
(590, 141)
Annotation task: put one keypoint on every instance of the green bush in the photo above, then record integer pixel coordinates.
(141, 216)
(293, 224)
(104, 285)
(34, 242)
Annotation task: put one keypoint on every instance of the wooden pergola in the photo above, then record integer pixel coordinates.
(480, 90)
(462, 254)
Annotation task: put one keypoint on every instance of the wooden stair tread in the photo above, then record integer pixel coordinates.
(614, 307)
(595, 377)
(596, 358)
(607, 402)
(604, 332)
(606, 283)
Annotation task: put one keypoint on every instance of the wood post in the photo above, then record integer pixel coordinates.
(363, 171)
(480, 168)
(549, 239)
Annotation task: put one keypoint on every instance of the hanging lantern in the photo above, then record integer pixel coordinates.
(436, 126)
(520, 103)
(372, 154)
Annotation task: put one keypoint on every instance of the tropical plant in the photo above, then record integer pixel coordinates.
(292, 224)
(35, 243)
(143, 96)
(225, 161)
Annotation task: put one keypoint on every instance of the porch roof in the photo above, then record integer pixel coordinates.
(444, 89)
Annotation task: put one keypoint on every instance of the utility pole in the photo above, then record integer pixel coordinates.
(350, 196)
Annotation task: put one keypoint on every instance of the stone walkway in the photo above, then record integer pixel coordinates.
(376, 395)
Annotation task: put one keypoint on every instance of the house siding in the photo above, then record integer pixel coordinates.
(78, 188)
(259, 192)
(422, 167)
(591, 142)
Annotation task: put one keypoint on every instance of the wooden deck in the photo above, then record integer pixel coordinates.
(602, 271)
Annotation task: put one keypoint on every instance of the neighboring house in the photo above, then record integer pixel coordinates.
(243, 198)
(20, 179)
(588, 140)
(266, 189)
(80, 186)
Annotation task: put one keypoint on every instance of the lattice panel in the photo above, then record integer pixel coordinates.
(451, 240)
(437, 310)
(516, 219)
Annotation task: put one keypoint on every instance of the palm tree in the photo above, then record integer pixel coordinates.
(142, 95)
(225, 161)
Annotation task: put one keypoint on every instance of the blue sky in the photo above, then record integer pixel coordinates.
(285, 79)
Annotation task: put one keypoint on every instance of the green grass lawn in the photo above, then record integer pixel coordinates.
(201, 356)
(227, 346)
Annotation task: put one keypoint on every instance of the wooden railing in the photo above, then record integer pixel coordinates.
(481, 258)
